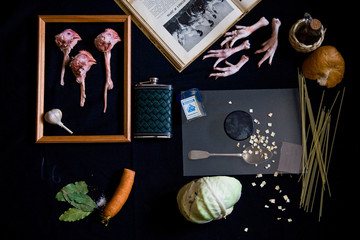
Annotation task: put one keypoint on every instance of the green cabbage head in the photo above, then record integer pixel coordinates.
(208, 198)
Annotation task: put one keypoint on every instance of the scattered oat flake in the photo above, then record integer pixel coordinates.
(269, 124)
(263, 183)
(290, 220)
(253, 183)
(272, 200)
(246, 229)
(251, 110)
(230, 102)
(272, 134)
(259, 175)
(277, 187)
(266, 206)
(270, 114)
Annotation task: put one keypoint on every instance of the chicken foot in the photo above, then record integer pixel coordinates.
(231, 69)
(243, 31)
(222, 54)
(270, 45)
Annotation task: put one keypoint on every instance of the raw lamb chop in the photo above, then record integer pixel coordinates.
(66, 40)
(80, 65)
(270, 45)
(104, 42)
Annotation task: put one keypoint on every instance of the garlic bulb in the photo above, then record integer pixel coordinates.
(54, 117)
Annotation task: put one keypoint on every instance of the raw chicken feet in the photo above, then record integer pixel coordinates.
(270, 45)
(80, 65)
(231, 69)
(66, 41)
(243, 31)
(104, 42)
(222, 54)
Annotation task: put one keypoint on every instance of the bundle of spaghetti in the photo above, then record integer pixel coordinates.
(316, 151)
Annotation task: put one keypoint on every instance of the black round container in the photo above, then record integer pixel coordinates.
(239, 125)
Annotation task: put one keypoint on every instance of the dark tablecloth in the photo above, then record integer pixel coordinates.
(31, 174)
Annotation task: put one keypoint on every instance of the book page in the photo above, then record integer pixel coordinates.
(187, 27)
(245, 5)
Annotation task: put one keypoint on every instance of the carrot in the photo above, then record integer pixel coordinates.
(120, 196)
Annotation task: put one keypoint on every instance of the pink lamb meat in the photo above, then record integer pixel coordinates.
(66, 41)
(80, 65)
(104, 42)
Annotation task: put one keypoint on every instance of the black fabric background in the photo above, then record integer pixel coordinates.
(31, 174)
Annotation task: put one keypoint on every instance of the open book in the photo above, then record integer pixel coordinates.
(183, 29)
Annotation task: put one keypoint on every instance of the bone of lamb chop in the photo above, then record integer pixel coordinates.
(66, 40)
(104, 42)
(222, 54)
(270, 45)
(80, 65)
(243, 31)
(231, 69)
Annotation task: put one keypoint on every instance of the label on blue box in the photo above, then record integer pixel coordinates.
(191, 108)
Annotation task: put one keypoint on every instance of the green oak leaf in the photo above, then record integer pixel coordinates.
(73, 214)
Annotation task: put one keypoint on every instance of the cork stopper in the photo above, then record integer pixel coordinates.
(315, 24)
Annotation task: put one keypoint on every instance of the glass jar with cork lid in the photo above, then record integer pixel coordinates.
(307, 34)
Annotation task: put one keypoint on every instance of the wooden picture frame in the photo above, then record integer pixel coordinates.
(125, 135)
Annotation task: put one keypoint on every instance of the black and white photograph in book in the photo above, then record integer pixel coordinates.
(194, 21)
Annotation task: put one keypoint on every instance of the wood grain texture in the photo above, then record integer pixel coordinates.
(42, 20)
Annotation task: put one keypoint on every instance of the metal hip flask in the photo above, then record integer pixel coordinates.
(153, 103)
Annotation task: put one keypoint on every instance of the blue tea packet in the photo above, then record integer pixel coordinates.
(191, 104)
